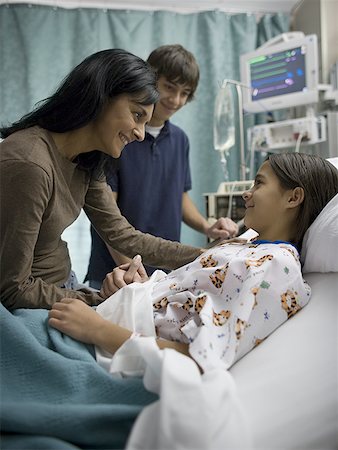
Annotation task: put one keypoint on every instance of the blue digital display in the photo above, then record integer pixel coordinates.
(278, 73)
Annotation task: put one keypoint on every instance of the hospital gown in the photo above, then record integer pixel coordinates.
(229, 300)
(223, 304)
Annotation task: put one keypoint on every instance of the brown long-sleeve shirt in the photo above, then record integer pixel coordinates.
(42, 193)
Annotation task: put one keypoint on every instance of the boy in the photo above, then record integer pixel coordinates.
(152, 183)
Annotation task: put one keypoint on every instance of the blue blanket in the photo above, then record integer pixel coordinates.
(53, 393)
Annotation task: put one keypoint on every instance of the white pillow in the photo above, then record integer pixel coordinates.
(320, 243)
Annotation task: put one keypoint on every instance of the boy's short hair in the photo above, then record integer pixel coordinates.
(176, 64)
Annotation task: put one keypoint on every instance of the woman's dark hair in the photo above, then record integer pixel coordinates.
(85, 91)
(317, 177)
(176, 64)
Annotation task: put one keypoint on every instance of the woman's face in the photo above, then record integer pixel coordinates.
(120, 122)
(266, 204)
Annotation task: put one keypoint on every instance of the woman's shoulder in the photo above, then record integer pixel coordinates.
(23, 143)
(32, 146)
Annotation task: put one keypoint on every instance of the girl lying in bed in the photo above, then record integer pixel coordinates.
(229, 299)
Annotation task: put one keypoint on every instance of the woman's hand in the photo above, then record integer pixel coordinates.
(76, 319)
(122, 275)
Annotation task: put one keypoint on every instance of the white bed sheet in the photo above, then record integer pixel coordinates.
(286, 388)
(288, 385)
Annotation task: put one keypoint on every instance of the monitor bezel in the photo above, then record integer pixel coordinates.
(294, 99)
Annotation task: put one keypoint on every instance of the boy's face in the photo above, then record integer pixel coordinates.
(172, 97)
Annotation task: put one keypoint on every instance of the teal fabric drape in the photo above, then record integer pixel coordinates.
(39, 45)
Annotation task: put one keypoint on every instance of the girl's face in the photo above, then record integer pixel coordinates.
(120, 122)
(266, 205)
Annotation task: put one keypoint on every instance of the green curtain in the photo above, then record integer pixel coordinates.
(39, 45)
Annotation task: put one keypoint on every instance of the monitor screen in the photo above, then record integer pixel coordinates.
(281, 75)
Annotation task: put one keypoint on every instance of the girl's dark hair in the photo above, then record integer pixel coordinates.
(176, 64)
(318, 178)
(85, 91)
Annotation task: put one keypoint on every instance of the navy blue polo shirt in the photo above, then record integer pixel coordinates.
(151, 179)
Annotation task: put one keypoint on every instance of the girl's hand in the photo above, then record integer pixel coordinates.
(76, 319)
(122, 275)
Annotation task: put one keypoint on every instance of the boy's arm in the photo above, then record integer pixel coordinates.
(223, 228)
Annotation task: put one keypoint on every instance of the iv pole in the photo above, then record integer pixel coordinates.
(239, 86)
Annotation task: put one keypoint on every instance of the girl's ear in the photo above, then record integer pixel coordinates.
(296, 197)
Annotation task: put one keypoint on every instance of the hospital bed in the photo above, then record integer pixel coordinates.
(288, 385)
(285, 391)
(281, 395)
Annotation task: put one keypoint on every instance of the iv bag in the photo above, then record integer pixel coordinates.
(224, 120)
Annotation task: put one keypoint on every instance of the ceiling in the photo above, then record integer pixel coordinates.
(185, 6)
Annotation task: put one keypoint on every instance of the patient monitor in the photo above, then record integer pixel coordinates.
(282, 73)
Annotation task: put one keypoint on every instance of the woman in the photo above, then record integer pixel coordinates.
(53, 163)
(229, 299)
